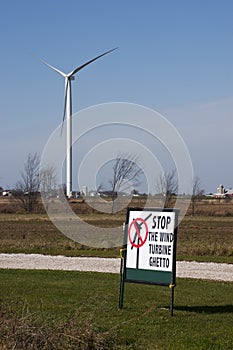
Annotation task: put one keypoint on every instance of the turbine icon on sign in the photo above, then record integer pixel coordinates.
(138, 228)
(68, 114)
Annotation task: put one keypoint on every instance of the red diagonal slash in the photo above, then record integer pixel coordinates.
(135, 225)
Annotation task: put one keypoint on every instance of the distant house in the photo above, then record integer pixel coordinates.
(229, 193)
(93, 193)
(7, 193)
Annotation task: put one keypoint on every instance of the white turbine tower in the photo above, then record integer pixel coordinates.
(68, 114)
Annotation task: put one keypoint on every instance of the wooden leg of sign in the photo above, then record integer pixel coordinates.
(122, 285)
(171, 300)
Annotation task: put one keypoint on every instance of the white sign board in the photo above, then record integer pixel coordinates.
(150, 240)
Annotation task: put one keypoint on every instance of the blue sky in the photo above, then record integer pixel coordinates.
(174, 56)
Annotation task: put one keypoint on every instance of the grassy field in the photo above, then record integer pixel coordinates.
(74, 310)
(202, 238)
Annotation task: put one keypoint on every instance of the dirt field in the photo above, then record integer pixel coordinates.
(206, 236)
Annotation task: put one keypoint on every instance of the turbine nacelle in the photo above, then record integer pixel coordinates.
(70, 76)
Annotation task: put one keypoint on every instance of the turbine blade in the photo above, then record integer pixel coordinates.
(53, 68)
(92, 60)
(64, 112)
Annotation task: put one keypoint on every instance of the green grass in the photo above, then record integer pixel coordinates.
(203, 313)
(74, 310)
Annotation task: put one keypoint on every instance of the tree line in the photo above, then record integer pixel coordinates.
(126, 174)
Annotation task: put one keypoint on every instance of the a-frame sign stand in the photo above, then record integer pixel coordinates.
(148, 254)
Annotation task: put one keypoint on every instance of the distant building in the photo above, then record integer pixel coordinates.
(84, 191)
(220, 189)
(7, 193)
(229, 193)
(223, 193)
(93, 193)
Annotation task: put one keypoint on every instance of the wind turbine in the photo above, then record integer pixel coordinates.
(68, 114)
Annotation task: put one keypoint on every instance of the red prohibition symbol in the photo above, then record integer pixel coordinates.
(135, 227)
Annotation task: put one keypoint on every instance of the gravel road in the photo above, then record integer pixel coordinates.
(191, 269)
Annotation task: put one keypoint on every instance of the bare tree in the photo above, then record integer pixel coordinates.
(167, 187)
(196, 194)
(26, 189)
(125, 175)
(48, 183)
